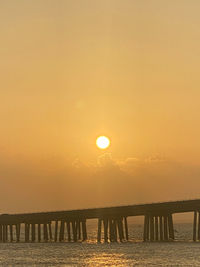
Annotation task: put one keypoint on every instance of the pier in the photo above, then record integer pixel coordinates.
(112, 226)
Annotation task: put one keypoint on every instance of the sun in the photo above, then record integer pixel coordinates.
(103, 142)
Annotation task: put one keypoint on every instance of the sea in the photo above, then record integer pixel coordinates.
(181, 252)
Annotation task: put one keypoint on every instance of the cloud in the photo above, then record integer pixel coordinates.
(54, 183)
(106, 160)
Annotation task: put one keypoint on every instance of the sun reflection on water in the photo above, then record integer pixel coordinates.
(107, 259)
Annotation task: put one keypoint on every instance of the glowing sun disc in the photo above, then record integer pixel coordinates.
(102, 142)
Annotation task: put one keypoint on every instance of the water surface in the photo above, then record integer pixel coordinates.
(133, 253)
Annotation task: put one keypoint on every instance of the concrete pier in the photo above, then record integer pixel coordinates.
(112, 226)
(105, 224)
(68, 231)
(74, 231)
(99, 230)
(196, 226)
(56, 231)
(114, 229)
(84, 230)
(158, 228)
(198, 235)
(33, 232)
(161, 227)
(39, 232)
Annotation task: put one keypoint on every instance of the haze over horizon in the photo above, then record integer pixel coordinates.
(76, 70)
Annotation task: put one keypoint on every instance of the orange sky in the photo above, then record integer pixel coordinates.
(73, 70)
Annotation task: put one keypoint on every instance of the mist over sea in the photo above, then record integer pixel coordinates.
(182, 252)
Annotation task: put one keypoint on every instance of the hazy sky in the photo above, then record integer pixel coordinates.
(73, 70)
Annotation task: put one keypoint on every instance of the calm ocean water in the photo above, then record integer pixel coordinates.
(133, 253)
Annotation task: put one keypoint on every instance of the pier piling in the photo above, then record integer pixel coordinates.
(33, 232)
(84, 230)
(156, 228)
(11, 232)
(56, 231)
(195, 226)
(39, 232)
(74, 231)
(99, 231)
(50, 231)
(126, 228)
(105, 223)
(161, 227)
(171, 227)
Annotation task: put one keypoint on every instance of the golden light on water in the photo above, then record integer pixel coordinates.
(103, 142)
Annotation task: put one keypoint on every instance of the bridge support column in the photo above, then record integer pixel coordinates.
(78, 227)
(198, 235)
(171, 227)
(74, 231)
(195, 226)
(62, 230)
(151, 228)
(6, 228)
(11, 232)
(45, 232)
(84, 230)
(146, 228)
(18, 228)
(39, 232)
(165, 228)
(1, 232)
(105, 224)
(122, 224)
(161, 227)
(27, 232)
(120, 229)
(110, 229)
(56, 231)
(99, 230)
(68, 231)
(33, 232)
(126, 228)
(4, 233)
(115, 230)
(156, 228)
(50, 231)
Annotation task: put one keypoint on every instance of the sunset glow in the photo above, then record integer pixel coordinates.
(98, 100)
